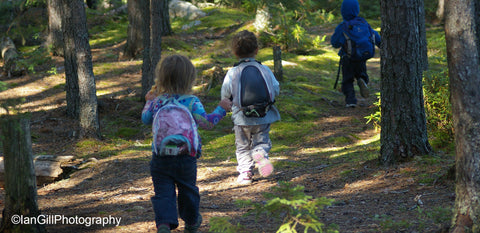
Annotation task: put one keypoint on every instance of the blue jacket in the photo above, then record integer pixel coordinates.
(350, 9)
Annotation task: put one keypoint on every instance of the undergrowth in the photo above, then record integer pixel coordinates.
(288, 205)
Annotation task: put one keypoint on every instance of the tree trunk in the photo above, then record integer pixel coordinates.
(277, 63)
(81, 89)
(20, 185)
(263, 19)
(10, 57)
(403, 59)
(135, 28)
(464, 72)
(156, 30)
(477, 25)
(152, 43)
(440, 10)
(166, 28)
(55, 32)
(147, 79)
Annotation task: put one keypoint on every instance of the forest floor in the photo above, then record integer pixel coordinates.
(416, 196)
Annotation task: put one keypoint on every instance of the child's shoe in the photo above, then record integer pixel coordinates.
(245, 178)
(163, 229)
(194, 228)
(265, 167)
(363, 88)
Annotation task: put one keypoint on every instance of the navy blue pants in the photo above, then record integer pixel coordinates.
(168, 173)
(352, 70)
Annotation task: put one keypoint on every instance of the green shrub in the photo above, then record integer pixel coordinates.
(438, 107)
(288, 204)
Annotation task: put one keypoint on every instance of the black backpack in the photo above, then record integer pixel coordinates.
(254, 96)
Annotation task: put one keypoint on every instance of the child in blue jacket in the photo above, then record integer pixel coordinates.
(351, 69)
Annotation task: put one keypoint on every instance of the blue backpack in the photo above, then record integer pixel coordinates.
(360, 39)
(174, 130)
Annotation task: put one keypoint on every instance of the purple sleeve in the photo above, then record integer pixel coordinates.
(204, 120)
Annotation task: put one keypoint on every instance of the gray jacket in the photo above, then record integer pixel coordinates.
(230, 88)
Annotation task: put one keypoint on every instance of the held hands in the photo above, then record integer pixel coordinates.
(150, 96)
(225, 104)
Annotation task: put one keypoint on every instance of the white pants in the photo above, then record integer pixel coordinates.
(250, 139)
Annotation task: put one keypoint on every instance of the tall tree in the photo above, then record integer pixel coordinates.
(55, 31)
(440, 10)
(20, 180)
(403, 60)
(147, 77)
(152, 33)
(477, 23)
(166, 28)
(80, 81)
(135, 28)
(464, 72)
(137, 18)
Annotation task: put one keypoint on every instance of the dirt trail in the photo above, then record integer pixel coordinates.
(119, 186)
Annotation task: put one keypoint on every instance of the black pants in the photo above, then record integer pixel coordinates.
(352, 70)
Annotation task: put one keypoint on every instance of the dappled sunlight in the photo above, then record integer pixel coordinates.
(364, 142)
(33, 90)
(116, 67)
(376, 184)
(146, 225)
(31, 86)
(285, 63)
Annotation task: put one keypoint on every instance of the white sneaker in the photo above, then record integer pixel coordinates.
(245, 178)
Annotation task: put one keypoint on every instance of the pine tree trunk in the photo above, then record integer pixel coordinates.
(156, 30)
(10, 56)
(166, 28)
(147, 78)
(477, 24)
(440, 13)
(79, 69)
(55, 31)
(71, 69)
(464, 72)
(403, 60)
(135, 29)
(20, 180)
(277, 63)
(152, 43)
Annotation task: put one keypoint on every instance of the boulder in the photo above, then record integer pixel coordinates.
(178, 8)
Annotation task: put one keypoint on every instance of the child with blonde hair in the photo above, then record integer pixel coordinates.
(174, 77)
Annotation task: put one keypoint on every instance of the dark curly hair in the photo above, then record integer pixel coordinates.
(244, 44)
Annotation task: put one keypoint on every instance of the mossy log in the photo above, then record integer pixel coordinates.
(10, 57)
(47, 167)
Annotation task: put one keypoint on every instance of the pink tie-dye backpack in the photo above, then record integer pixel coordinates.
(174, 130)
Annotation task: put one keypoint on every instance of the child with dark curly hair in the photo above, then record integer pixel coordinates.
(251, 133)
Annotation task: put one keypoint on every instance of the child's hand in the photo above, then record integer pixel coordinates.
(150, 95)
(226, 104)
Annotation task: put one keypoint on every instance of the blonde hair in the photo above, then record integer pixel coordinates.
(244, 44)
(175, 74)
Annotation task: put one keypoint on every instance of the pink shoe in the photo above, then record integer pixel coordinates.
(265, 167)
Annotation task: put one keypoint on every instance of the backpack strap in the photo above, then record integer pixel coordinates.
(244, 60)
